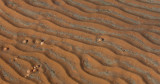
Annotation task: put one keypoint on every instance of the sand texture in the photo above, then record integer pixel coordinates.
(79, 41)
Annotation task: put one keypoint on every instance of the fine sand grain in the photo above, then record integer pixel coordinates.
(79, 41)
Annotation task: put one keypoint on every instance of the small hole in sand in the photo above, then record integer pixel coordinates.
(42, 40)
(102, 39)
(38, 65)
(7, 48)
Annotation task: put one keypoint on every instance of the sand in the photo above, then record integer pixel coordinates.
(79, 42)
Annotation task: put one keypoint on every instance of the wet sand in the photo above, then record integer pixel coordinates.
(79, 42)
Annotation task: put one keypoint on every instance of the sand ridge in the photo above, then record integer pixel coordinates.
(79, 42)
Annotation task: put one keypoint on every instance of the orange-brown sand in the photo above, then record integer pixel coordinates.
(79, 41)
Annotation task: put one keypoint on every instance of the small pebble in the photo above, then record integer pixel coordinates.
(15, 59)
(42, 42)
(34, 67)
(37, 66)
(5, 48)
(34, 70)
(28, 71)
(39, 42)
(27, 75)
(25, 41)
(100, 39)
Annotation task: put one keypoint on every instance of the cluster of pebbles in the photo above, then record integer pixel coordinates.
(41, 42)
(33, 70)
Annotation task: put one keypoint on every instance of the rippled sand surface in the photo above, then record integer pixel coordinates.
(79, 41)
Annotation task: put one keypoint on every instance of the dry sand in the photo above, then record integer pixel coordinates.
(80, 41)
